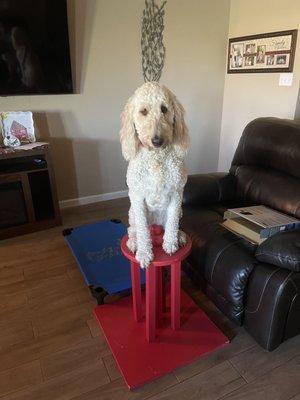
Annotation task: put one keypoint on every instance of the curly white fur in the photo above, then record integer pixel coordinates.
(156, 175)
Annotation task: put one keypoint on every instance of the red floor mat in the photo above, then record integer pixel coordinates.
(141, 362)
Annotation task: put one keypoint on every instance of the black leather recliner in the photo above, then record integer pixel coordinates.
(255, 286)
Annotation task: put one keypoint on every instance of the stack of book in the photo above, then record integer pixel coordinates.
(257, 223)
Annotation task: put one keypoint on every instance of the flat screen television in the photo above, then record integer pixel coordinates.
(34, 47)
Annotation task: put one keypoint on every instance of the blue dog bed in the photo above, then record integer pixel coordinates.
(96, 248)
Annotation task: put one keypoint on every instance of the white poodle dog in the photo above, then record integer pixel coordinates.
(154, 140)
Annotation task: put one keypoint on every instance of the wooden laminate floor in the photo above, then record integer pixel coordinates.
(51, 347)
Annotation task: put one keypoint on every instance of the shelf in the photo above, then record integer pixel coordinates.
(29, 171)
(28, 190)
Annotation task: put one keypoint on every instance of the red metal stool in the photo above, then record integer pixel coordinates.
(155, 293)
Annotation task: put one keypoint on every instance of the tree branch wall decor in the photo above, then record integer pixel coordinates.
(153, 49)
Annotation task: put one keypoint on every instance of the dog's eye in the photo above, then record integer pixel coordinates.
(164, 109)
(144, 111)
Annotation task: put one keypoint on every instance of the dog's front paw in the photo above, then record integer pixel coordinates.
(170, 246)
(131, 244)
(144, 257)
(182, 238)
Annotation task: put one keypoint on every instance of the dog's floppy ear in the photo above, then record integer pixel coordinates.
(181, 137)
(128, 136)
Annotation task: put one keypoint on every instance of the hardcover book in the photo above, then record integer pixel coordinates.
(257, 223)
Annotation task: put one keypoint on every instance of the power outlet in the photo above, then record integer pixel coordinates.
(286, 79)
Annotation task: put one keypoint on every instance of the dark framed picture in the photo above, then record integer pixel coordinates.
(266, 52)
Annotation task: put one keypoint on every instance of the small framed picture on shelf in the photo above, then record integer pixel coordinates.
(266, 52)
(17, 128)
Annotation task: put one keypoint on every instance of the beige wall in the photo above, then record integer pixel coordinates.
(297, 111)
(248, 96)
(105, 45)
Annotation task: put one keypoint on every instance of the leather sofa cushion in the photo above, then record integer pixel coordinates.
(202, 189)
(229, 262)
(270, 143)
(201, 224)
(223, 260)
(266, 165)
(282, 250)
(272, 188)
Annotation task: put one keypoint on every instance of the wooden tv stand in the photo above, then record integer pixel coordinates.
(28, 197)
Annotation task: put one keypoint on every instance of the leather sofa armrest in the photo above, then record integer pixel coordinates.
(282, 249)
(203, 189)
(272, 305)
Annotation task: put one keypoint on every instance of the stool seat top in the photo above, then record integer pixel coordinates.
(160, 257)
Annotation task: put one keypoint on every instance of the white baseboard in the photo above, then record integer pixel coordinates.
(81, 201)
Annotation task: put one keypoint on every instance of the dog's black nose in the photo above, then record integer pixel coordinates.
(157, 141)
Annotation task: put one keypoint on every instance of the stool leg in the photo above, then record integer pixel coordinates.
(136, 291)
(164, 291)
(159, 295)
(175, 294)
(150, 303)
